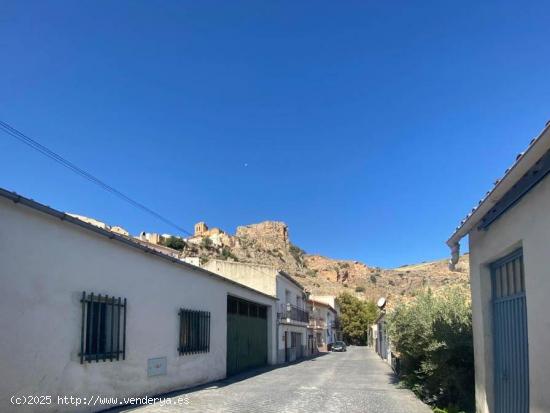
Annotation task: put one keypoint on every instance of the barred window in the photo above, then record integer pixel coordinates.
(247, 308)
(103, 330)
(194, 332)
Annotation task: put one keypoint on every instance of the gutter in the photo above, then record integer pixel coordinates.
(18, 199)
(537, 148)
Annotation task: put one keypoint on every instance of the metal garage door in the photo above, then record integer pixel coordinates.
(246, 335)
(510, 339)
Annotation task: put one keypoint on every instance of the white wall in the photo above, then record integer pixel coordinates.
(284, 284)
(526, 225)
(45, 266)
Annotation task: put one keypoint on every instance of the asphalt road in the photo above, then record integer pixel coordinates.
(355, 381)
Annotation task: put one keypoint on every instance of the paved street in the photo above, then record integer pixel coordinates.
(355, 381)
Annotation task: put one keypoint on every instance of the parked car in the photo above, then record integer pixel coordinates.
(339, 346)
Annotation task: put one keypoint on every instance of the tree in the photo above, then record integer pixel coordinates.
(174, 243)
(356, 316)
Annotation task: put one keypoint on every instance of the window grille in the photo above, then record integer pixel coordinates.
(103, 330)
(246, 308)
(508, 277)
(194, 332)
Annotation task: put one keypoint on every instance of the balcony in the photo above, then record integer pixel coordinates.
(317, 322)
(291, 312)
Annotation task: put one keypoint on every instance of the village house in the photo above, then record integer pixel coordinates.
(92, 312)
(323, 328)
(292, 316)
(509, 239)
(379, 338)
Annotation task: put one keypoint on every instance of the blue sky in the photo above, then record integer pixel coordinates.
(371, 128)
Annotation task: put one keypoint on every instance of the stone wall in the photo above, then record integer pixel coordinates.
(267, 235)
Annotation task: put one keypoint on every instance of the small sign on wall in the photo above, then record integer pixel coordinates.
(156, 367)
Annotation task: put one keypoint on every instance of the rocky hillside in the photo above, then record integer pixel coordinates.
(268, 243)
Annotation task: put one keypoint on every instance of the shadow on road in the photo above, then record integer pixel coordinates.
(220, 383)
(393, 378)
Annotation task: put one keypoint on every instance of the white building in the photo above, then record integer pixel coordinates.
(292, 316)
(509, 243)
(323, 324)
(293, 319)
(89, 312)
(381, 342)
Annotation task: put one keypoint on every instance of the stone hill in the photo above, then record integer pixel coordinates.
(268, 243)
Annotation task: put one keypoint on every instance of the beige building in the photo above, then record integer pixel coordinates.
(509, 243)
(215, 235)
(88, 312)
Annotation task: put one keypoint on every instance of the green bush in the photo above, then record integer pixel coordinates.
(174, 243)
(359, 289)
(450, 409)
(433, 336)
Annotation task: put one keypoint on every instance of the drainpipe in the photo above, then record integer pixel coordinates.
(455, 255)
(277, 333)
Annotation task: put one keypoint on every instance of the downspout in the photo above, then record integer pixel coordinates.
(455, 255)
(277, 334)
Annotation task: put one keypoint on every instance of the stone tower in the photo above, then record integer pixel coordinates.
(200, 228)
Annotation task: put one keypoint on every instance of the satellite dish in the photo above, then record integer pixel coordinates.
(381, 302)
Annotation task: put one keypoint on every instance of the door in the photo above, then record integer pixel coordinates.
(286, 346)
(246, 335)
(299, 348)
(511, 355)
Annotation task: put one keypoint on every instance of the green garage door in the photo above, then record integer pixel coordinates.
(246, 335)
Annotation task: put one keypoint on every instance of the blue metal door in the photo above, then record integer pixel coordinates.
(511, 355)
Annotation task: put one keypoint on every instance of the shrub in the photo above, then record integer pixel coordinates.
(206, 242)
(359, 289)
(226, 253)
(373, 278)
(433, 335)
(296, 252)
(450, 409)
(174, 243)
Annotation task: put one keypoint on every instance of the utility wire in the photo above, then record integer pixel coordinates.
(79, 171)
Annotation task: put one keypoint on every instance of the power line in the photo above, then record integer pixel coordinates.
(79, 171)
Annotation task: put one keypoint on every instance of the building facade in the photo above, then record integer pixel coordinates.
(292, 316)
(379, 340)
(509, 238)
(90, 312)
(323, 324)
